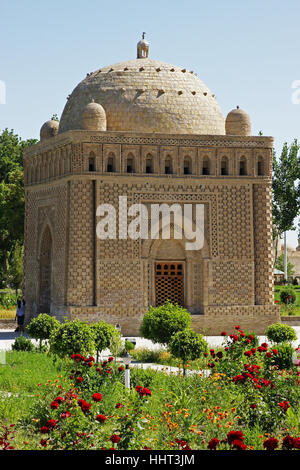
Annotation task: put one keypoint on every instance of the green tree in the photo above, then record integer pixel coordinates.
(103, 335)
(187, 345)
(160, 323)
(15, 266)
(11, 195)
(280, 265)
(42, 326)
(286, 191)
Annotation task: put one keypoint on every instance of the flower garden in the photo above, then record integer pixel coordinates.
(240, 396)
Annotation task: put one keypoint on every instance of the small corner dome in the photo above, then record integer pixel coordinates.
(49, 129)
(238, 122)
(93, 117)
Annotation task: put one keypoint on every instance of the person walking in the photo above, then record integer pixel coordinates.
(20, 315)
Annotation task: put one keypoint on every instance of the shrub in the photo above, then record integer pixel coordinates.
(284, 358)
(280, 333)
(72, 337)
(187, 345)
(129, 346)
(22, 344)
(288, 296)
(161, 323)
(103, 334)
(146, 355)
(41, 327)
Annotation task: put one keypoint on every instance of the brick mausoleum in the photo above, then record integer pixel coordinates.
(155, 133)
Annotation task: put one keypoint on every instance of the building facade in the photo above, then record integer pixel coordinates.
(154, 133)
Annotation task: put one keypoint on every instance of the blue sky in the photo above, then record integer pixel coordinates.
(246, 52)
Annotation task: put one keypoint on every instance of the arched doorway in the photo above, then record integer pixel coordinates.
(169, 272)
(45, 272)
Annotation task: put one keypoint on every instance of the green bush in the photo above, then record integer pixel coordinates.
(129, 346)
(72, 337)
(41, 327)
(161, 323)
(146, 355)
(280, 333)
(103, 334)
(8, 300)
(187, 345)
(288, 295)
(22, 344)
(284, 357)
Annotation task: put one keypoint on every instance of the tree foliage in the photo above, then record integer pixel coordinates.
(72, 337)
(11, 195)
(286, 190)
(160, 323)
(187, 345)
(280, 265)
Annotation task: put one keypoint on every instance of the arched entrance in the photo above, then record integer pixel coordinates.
(169, 272)
(45, 272)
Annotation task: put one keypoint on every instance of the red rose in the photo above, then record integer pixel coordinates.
(119, 405)
(43, 443)
(54, 405)
(220, 354)
(288, 442)
(269, 354)
(101, 418)
(79, 379)
(110, 359)
(223, 334)
(235, 436)
(253, 406)
(239, 445)
(44, 430)
(114, 438)
(213, 443)
(120, 369)
(97, 397)
(237, 327)
(51, 423)
(65, 415)
(271, 443)
(275, 352)
(59, 399)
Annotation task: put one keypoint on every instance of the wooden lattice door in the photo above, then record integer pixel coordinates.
(169, 283)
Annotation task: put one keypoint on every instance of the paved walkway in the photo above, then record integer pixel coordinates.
(7, 337)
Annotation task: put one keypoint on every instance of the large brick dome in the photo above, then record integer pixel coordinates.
(144, 95)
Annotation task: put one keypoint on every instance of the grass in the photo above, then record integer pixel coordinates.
(293, 309)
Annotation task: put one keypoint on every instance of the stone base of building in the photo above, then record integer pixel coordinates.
(254, 318)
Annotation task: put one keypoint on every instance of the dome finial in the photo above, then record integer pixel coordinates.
(143, 48)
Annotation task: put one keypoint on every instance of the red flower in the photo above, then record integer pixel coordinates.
(110, 359)
(79, 379)
(284, 405)
(275, 352)
(54, 405)
(143, 391)
(288, 442)
(239, 445)
(213, 443)
(43, 442)
(65, 415)
(97, 397)
(237, 327)
(84, 405)
(59, 399)
(101, 418)
(44, 430)
(269, 354)
(235, 436)
(253, 406)
(119, 405)
(51, 423)
(271, 443)
(220, 354)
(205, 354)
(223, 333)
(234, 337)
(248, 353)
(120, 369)
(114, 438)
